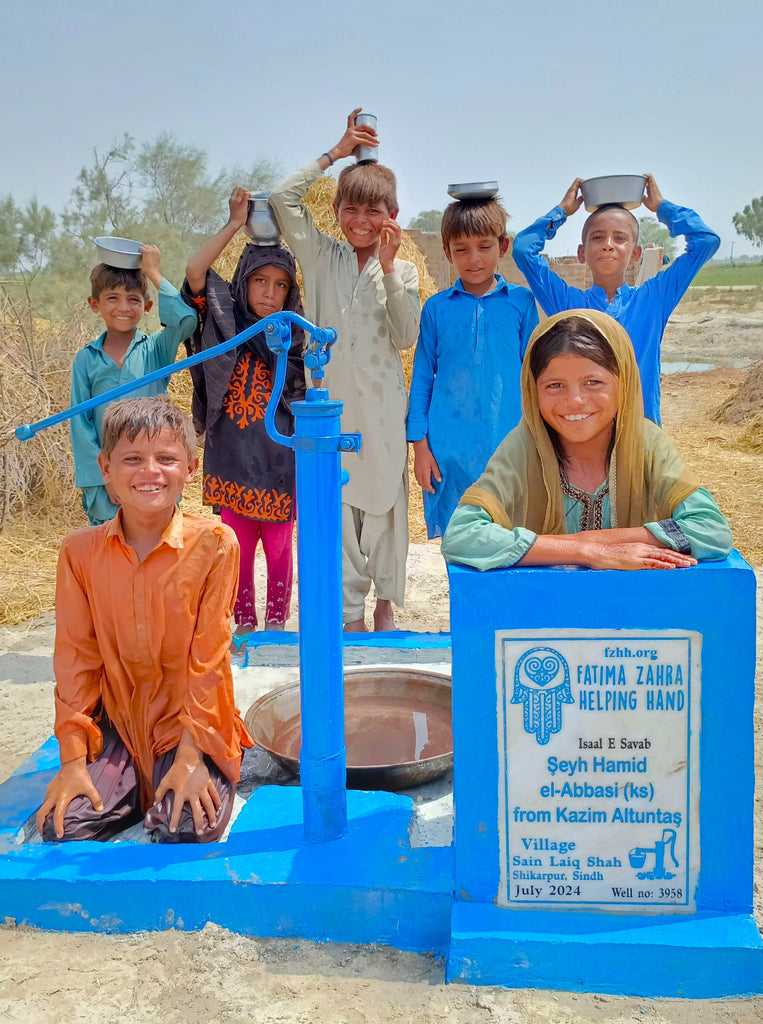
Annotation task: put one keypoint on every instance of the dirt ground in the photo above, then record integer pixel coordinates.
(218, 976)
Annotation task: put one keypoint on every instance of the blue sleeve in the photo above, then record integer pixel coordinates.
(697, 525)
(701, 244)
(528, 325)
(549, 289)
(422, 379)
(86, 444)
(179, 320)
(472, 538)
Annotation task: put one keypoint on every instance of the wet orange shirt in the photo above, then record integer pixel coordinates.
(151, 640)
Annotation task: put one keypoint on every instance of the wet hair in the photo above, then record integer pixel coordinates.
(473, 217)
(133, 416)
(579, 337)
(603, 209)
(367, 182)
(104, 278)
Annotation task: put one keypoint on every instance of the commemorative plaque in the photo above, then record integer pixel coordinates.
(598, 739)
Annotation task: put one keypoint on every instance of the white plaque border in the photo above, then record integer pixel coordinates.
(549, 635)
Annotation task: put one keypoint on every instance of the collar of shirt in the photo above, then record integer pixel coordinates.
(622, 292)
(172, 536)
(500, 285)
(138, 337)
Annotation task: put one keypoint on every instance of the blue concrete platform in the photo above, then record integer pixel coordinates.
(370, 886)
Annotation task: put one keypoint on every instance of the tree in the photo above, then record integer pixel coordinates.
(102, 199)
(427, 220)
(651, 232)
(26, 236)
(263, 174)
(178, 189)
(749, 223)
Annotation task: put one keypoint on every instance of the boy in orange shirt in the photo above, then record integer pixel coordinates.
(145, 716)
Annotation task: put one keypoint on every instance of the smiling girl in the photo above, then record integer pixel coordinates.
(585, 479)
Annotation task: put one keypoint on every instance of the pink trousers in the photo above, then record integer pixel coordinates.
(276, 543)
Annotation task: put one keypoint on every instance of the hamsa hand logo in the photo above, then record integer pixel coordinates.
(542, 684)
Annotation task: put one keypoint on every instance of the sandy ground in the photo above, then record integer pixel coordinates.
(226, 978)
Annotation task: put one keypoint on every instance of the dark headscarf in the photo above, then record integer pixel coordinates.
(228, 314)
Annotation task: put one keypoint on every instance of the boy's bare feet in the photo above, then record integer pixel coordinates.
(384, 617)
(276, 626)
(356, 626)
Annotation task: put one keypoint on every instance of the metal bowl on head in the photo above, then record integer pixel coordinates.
(119, 252)
(626, 190)
(474, 190)
(397, 726)
(261, 224)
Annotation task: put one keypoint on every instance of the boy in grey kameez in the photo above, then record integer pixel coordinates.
(371, 298)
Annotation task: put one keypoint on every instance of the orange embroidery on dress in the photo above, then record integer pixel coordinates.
(259, 503)
(247, 404)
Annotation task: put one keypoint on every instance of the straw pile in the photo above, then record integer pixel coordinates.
(38, 503)
(745, 408)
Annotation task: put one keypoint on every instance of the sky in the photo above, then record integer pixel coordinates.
(531, 94)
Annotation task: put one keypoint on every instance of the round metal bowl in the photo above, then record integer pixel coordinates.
(118, 252)
(397, 726)
(626, 190)
(474, 190)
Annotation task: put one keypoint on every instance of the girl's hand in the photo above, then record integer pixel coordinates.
(238, 204)
(425, 466)
(571, 201)
(72, 780)
(603, 555)
(355, 135)
(389, 243)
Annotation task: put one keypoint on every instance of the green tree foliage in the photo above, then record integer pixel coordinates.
(427, 220)
(25, 236)
(651, 232)
(749, 223)
(160, 192)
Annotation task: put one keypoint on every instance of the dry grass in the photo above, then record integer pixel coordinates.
(39, 504)
(744, 408)
(730, 468)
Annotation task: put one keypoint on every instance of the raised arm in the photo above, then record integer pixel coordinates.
(203, 258)
(701, 244)
(293, 217)
(549, 289)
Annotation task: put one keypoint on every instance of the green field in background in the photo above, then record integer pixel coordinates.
(724, 275)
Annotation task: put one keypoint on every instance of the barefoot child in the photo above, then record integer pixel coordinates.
(122, 353)
(609, 244)
(585, 479)
(371, 298)
(145, 717)
(247, 477)
(465, 393)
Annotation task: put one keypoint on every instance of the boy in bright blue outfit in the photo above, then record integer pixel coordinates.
(121, 354)
(465, 393)
(609, 245)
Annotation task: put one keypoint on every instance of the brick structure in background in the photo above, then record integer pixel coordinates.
(567, 267)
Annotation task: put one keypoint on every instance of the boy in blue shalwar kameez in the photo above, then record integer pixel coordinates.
(609, 245)
(465, 393)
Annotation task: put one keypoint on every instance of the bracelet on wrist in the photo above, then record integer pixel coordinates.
(328, 157)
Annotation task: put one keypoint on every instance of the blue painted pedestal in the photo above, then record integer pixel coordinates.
(715, 949)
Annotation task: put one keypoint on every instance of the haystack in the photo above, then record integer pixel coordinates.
(745, 408)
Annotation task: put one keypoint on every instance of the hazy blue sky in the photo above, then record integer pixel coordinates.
(531, 94)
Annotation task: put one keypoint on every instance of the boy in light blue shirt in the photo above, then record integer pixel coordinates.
(465, 393)
(609, 244)
(121, 354)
